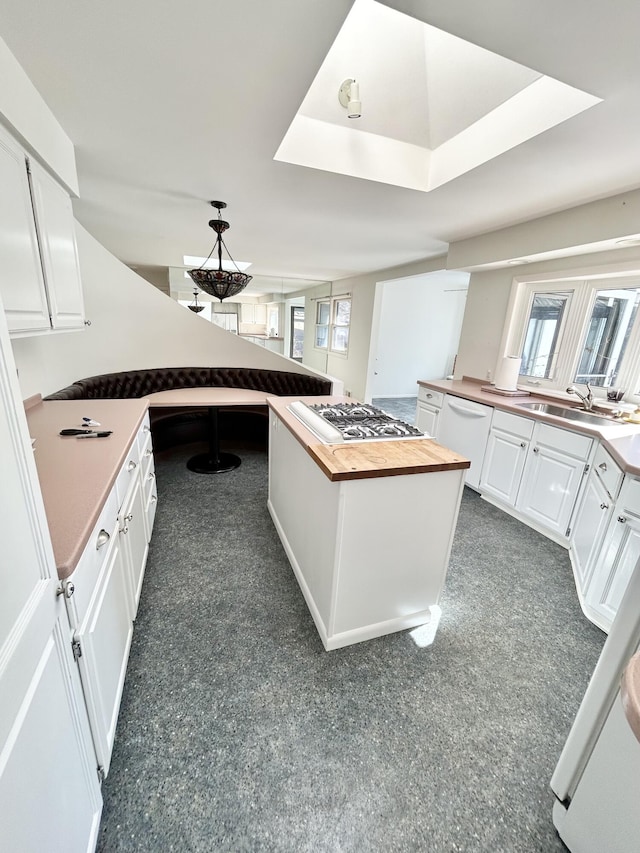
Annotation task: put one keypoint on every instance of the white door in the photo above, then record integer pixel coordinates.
(21, 280)
(48, 778)
(427, 419)
(549, 488)
(57, 236)
(588, 529)
(611, 575)
(503, 465)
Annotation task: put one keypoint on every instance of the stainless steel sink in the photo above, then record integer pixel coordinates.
(570, 414)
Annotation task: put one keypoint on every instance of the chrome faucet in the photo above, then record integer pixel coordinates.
(587, 399)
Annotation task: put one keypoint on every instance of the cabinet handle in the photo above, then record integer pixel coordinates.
(102, 539)
(602, 466)
(429, 396)
(66, 589)
(536, 450)
(604, 506)
(154, 498)
(151, 476)
(622, 519)
(145, 428)
(523, 444)
(131, 465)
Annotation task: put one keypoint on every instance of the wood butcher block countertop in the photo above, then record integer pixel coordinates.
(367, 459)
(77, 475)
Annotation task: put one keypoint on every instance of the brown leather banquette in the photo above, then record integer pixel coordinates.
(176, 426)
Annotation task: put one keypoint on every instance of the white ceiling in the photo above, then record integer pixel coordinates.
(173, 104)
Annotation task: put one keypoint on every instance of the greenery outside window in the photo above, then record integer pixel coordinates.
(577, 332)
(333, 319)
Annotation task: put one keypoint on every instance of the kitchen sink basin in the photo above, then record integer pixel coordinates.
(570, 414)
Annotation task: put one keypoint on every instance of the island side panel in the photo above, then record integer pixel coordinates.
(395, 542)
(303, 504)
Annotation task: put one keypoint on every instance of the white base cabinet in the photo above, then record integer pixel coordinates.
(106, 590)
(370, 555)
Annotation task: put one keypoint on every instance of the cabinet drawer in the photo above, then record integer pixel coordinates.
(514, 424)
(571, 443)
(608, 472)
(128, 473)
(87, 572)
(428, 395)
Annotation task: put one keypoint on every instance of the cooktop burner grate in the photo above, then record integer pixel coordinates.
(359, 421)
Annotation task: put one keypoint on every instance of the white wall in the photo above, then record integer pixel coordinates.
(417, 332)
(488, 300)
(133, 326)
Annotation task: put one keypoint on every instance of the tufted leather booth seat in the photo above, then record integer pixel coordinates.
(175, 426)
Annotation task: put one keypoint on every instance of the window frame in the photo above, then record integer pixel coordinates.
(332, 325)
(584, 289)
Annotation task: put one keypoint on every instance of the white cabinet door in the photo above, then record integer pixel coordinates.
(104, 638)
(57, 237)
(503, 466)
(260, 315)
(49, 791)
(427, 419)
(133, 533)
(21, 279)
(588, 529)
(620, 553)
(550, 485)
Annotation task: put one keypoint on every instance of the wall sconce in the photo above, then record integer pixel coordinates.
(349, 97)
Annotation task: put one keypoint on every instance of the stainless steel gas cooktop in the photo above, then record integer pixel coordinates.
(338, 422)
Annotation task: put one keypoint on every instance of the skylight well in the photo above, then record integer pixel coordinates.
(433, 105)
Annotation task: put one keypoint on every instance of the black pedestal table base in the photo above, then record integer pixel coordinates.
(213, 462)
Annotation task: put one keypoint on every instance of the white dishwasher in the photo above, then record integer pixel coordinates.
(464, 428)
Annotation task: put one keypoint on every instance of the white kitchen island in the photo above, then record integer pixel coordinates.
(367, 526)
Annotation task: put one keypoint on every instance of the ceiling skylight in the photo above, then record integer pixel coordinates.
(433, 105)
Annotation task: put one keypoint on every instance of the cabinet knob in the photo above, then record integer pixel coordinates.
(87, 322)
(622, 519)
(145, 428)
(148, 452)
(128, 517)
(523, 444)
(66, 589)
(536, 450)
(429, 395)
(101, 539)
(602, 466)
(151, 476)
(131, 465)
(604, 506)
(154, 498)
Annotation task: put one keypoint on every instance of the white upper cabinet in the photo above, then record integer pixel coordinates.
(56, 232)
(22, 282)
(40, 283)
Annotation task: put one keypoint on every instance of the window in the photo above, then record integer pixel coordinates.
(577, 332)
(333, 319)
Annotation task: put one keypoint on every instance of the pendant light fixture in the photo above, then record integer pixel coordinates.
(219, 282)
(195, 305)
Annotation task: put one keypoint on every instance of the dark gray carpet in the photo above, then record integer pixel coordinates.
(238, 732)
